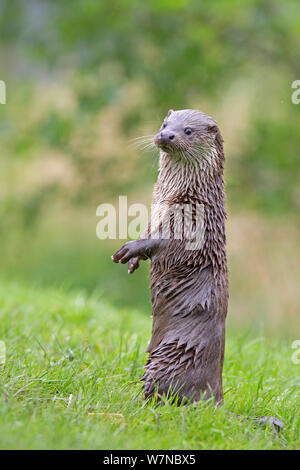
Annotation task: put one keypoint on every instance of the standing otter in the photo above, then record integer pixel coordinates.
(189, 287)
(189, 290)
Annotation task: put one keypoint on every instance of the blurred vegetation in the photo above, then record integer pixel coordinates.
(84, 78)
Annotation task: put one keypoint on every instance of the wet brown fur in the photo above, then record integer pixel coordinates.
(189, 290)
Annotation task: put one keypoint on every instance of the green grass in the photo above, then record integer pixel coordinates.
(71, 374)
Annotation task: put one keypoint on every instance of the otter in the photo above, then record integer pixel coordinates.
(189, 290)
(189, 284)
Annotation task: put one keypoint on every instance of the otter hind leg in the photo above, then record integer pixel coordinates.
(165, 371)
(174, 370)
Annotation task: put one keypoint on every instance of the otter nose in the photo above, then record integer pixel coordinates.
(165, 136)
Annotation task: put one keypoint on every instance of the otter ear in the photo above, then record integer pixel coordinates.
(170, 112)
(213, 129)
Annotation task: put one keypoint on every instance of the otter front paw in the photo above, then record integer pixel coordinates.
(133, 264)
(131, 249)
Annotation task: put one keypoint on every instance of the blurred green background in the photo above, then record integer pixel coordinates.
(85, 77)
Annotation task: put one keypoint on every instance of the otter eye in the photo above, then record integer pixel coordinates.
(188, 131)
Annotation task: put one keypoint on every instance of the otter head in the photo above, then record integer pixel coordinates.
(188, 134)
